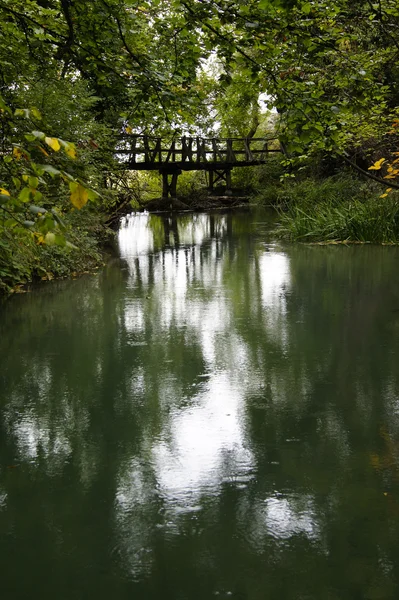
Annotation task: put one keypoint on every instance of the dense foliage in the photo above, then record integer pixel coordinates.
(75, 74)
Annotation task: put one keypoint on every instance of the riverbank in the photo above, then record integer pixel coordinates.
(338, 209)
(24, 260)
(341, 208)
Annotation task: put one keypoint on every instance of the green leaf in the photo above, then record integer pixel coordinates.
(60, 240)
(93, 195)
(22, 112)
(49, 169)
(39, 135)
(33, 182)
(37, 196)
(25, 194)
(37, 209)
(58, 219)
(71, 246)
(50, 238)
(4, 107)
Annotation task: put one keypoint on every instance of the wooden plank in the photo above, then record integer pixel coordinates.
(190, 149)
(220, 152)
(171, 152)
(215, 150)
(190, 166)
(155, 153)
(230, 157)
(264, 150)
(146, 150)
(203, 150)
(235, 139)
(133, 149)
(183, 148)
(248, 153)
(201, 155)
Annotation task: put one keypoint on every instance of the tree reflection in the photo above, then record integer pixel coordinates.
(223, 412)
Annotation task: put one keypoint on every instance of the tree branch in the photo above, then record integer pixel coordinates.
(369, 175)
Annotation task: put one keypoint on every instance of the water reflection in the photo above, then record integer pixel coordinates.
(213, 415)
(205, 446)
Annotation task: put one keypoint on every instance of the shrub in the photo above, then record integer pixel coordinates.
(22, 260)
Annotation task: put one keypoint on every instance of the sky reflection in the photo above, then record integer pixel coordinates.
(213, 414)
(205, 445)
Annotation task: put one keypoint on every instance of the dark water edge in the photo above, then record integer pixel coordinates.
(216, 414)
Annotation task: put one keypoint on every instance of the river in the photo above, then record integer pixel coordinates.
(214, 415)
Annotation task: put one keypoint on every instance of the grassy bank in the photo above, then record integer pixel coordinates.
(343, 207)
(356, 220)
(23, 260)
(340, 208)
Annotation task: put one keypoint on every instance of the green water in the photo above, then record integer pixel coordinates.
(214, 416)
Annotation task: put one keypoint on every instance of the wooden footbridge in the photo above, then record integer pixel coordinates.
(217, 156)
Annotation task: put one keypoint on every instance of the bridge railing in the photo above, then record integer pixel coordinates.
(143, 151)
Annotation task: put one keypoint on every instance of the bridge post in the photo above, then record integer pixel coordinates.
(210, 186)
(169, 187)
(219, 175)
(228, 183)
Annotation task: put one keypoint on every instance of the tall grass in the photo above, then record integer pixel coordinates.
(336, 209)
(311, 191)
(375, 220)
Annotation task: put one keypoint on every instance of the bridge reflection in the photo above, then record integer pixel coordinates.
(212, 414)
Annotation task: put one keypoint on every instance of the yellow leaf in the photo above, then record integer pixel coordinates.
(18, 153)
(70, 150)
(128, 129)
(36, 113)
(79, 195)
(383, 195)
(4, 192)
(377, 165)
(53, 143)
(389, 190)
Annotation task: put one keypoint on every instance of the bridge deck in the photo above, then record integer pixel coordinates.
(190, 166)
